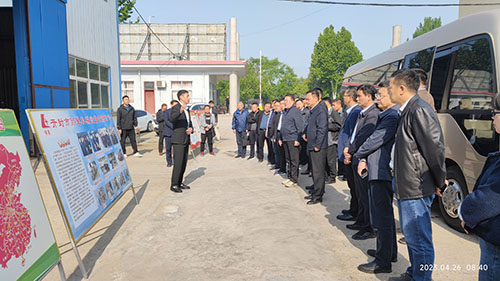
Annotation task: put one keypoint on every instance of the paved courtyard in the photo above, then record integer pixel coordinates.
(236, 223)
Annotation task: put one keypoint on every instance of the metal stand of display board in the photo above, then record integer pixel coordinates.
(61, 271)
(73, 244)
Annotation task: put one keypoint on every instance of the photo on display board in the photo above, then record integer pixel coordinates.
(94, 137)
(112, 160)
(109, 190)
(106, 139)
(103, 163)
(116, 188)
(115, 182)
(101, 196)
(94, 170)
(126, 174)
(120, 155)
(112, 133)
(122, 179)
(85, 145)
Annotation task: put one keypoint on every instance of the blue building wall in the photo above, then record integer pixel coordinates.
(41, 56)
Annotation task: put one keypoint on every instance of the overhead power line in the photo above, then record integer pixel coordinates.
(156, 35)
(392, 4)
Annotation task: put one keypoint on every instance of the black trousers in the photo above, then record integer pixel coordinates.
(292, 154)
(318, 162)
(353, 206)
(331, 159)
(361, 185)
(253, 139)
(261, 140)
(180, 162)
(160, 142)
(304, 154)
(382, 215)
(131, 136)
(341, 168)
(280, 156)
(210, 137)
(168, 149)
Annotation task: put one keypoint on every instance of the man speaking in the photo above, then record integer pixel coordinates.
(182, 128)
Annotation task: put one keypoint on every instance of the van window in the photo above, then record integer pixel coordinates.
(421, 59)
(440, 73)
(374, 76)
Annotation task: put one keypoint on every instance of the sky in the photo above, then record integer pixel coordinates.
(288, 30)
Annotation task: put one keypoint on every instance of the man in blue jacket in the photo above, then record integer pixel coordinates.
(292, 129)
(240, 125)
(167, 133)
(317, 143)
(374, 157)
(352, 112)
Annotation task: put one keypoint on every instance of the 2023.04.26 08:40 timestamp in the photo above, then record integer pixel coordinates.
(453, 267)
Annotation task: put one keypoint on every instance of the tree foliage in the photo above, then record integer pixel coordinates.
(333, 54)
(278, 79)
(428, 25)
(125, 11)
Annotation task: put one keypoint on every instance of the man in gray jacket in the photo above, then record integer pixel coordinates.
(419, 171)
(334, 125)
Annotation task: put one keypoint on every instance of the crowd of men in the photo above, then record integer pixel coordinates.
(386, 139)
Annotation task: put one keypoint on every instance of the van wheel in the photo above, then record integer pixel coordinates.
(453, 196)
(150, 126)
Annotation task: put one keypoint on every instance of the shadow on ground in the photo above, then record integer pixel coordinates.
(105, 238)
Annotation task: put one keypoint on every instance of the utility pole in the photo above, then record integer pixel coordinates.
(260, 78)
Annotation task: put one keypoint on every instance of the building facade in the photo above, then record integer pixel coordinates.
(469, 10)
(149, 84)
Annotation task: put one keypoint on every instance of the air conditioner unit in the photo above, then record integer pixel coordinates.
(161, 84)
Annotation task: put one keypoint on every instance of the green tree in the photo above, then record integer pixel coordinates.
(333, 54)
(428, 25)
(125, 11)
(301, 87)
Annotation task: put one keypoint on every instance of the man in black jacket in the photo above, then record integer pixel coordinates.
(264, 123)
(292, 129)
(252, 129)
(182, 129)
(374, 157)
(364, 127)
(126, 122)
(161, 125)
(279, 153)
(317, 142)
(419, 171)
(334, 125)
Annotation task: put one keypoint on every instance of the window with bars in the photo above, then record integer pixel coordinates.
(181, 85)
(89, 84)
(128, 90)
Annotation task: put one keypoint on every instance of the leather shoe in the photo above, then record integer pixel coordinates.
(403, 277)
(183, 186)
(169, 165)
(251, 157)
(354, 226)
(308, 197)
(176, 189)
(310, 187)
(346, 211)
(363, 235)
(346, 217)
(305, 172)
(238, 156)
(402, 240)
(374, 268)
(372, 253)
(330, 181)
(314, 201)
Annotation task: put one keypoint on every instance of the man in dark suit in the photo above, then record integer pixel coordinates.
(161, 125)
(364, 128)
(374, 157)
(253, 128)
(182, 128)
(316, 137)
(292, 129)
(419, 171)
(167, 133)
(350, 117)
(334, 125)
(279, 154)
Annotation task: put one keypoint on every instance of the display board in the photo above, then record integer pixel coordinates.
(28, 249)
(85, 161)
(196, 134)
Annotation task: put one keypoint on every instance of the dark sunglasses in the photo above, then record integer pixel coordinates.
(493, 112)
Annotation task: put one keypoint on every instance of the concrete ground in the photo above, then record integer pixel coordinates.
(236, 223)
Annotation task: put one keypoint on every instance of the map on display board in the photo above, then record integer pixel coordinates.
(28, 249)
(86, 164)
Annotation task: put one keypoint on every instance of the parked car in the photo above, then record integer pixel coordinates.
(197, 106)
(145, 120)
